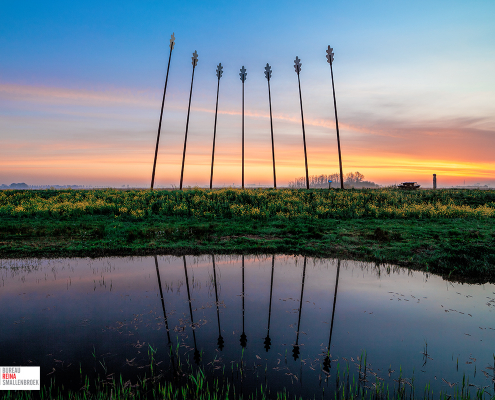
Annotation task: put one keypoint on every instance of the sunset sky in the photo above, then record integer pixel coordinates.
(81, 86)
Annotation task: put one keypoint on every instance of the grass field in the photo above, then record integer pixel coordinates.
(450, 232)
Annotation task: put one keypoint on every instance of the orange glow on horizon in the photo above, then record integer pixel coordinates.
(227, 172)
(383, 153)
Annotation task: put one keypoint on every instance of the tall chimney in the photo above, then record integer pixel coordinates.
(434, 181)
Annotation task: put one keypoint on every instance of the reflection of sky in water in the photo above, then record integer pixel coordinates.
(56, 313)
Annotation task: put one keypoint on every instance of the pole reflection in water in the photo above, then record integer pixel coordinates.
(163, 303)
(268, 341)
(326, 362)
(171, 353)
(295, 350)
(220, 341)
(243, 335)
(197, 355)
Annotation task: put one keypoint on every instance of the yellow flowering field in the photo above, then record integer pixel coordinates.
(250, 203)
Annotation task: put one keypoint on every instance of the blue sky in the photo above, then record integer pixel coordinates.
(81, 86)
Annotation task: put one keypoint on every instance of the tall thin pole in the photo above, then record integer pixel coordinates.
(243, 75)
(243, 134)
(219, 75)
(330, 57)
(297, 66)
(268, 75)
(194, 63)
(172, 43)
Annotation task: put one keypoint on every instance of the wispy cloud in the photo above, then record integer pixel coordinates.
(51, 95)
(126, 97)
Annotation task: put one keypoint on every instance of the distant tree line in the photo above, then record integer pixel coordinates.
(352, 179)
(14, 186)
(26, 186)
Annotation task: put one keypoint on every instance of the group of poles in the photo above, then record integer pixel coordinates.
(243, 338)
(243, 75)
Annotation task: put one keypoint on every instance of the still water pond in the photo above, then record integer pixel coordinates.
(256, 320)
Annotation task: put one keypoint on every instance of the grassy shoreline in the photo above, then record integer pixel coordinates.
(450, 233)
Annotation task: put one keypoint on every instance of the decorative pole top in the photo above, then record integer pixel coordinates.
(297, 65)
(268, 71)
(219, 70)
(172, 41)
(329, 55)
(243, 74)
(195, 58)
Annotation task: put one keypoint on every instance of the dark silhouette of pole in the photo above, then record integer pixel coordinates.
(330, 61)
(268, 75)
(220, 340)
(219, 75)
(243, 75)
(194, 63)
(172, 44)
(297, 67)
(295, 350)
(326, 362)
(268, 341)
(243, 134)
(197, 355)
(243, 339)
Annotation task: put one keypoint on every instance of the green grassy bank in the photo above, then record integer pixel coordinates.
(449, 232)
(342, 384)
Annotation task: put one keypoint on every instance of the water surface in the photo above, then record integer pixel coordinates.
(252, 320)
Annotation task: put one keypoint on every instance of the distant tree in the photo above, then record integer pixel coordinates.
(334, 178)
(354, 177)
(19, 186)
(351, 179)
